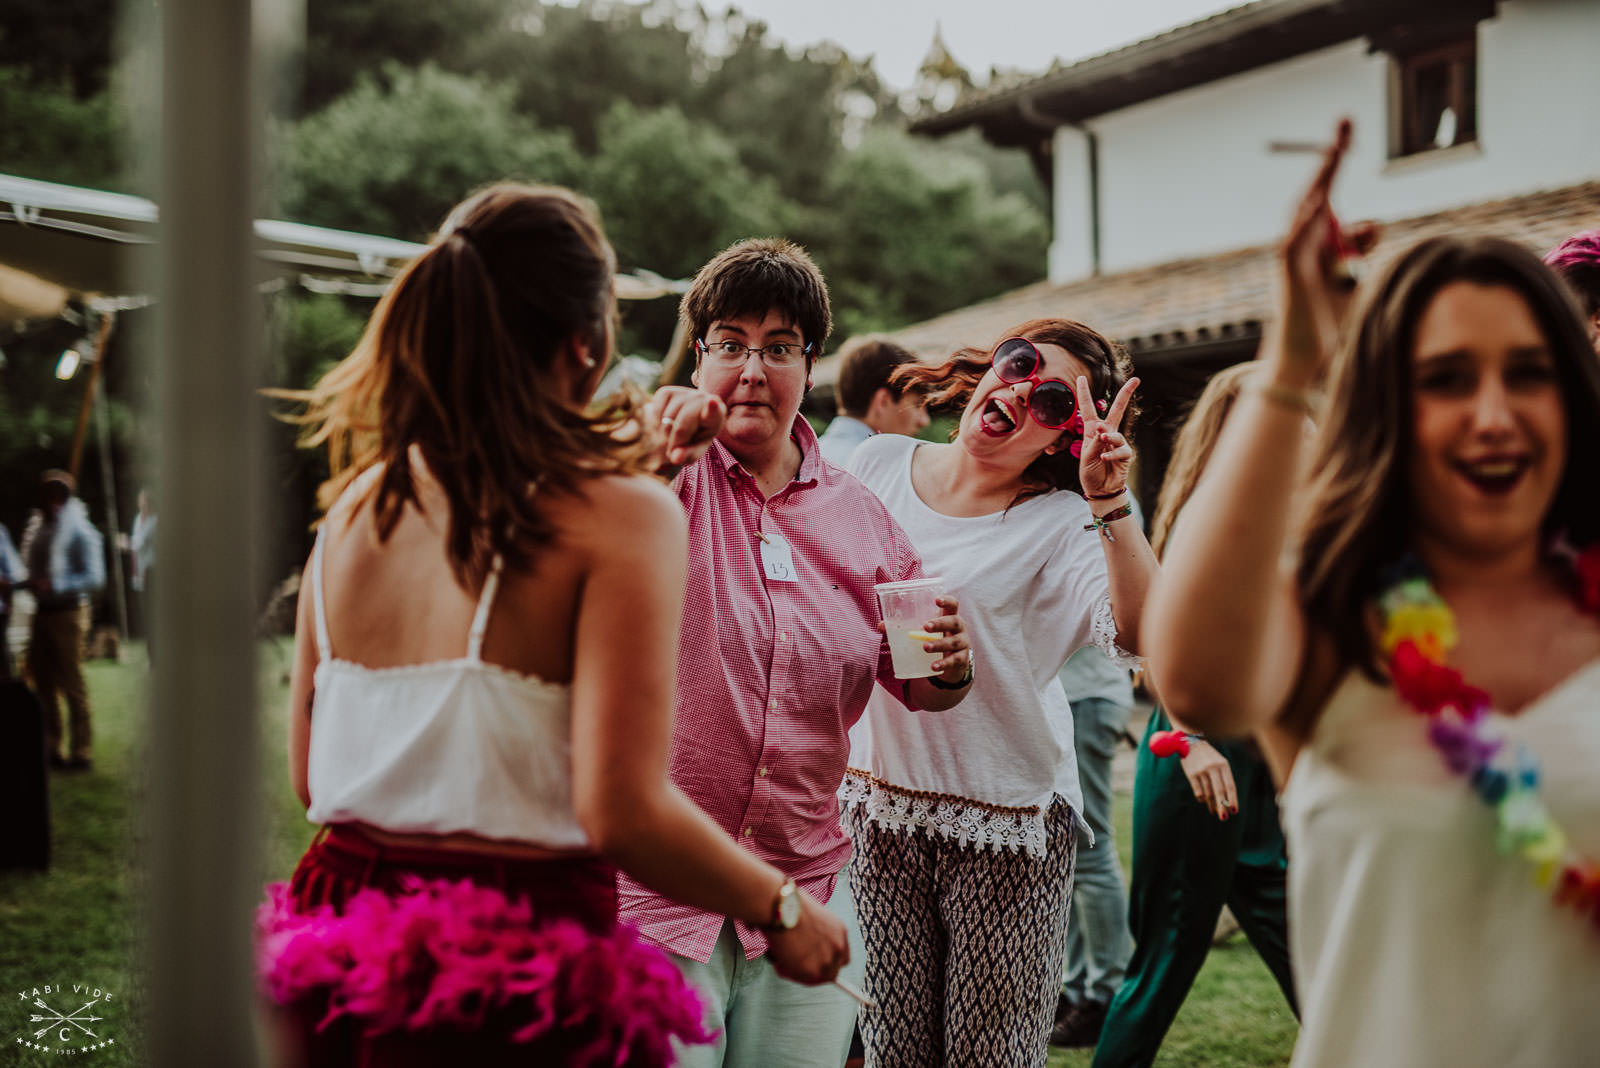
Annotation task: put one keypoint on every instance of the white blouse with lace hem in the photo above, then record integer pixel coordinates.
(1103, 636)
(972, 824)
(1034, 588)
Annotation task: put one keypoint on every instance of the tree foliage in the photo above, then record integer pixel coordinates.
(690, 129)
(393, 154)
(349, 39)
(570, 64)
(782, 110)
(673, 192)
(313, 331)
(913, 229)
(52, 134)
(60, 45)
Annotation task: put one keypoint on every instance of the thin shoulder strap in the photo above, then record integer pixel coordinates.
(324, 646)
(480, 621)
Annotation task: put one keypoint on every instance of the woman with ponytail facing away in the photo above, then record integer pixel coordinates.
(483, 682)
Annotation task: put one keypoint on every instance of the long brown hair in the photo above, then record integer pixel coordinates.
(454, 362)
(950, 386)
(1191, 452)
(1359, 515)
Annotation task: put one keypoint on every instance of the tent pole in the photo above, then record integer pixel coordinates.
(96, 360)
(205, 766)
(108, 481)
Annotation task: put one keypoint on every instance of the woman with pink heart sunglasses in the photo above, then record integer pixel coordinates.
(966, 824)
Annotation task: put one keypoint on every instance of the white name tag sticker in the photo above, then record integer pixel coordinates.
(777, 560)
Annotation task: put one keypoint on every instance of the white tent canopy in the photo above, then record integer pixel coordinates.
(87, 242)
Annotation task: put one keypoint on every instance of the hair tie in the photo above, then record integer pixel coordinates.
(464, 233)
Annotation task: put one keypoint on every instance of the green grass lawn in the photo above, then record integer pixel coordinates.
(78, 924)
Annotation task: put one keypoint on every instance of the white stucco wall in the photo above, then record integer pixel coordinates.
(1071, 246)
(1189, 174)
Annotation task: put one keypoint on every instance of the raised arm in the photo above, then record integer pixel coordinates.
(1223, 625)
(1103, 469)
(622, 694)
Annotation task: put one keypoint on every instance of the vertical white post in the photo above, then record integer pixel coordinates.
(205, 771)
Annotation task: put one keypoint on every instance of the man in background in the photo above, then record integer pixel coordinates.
(868, 404)
(142, 547)
(1098, 940)
(11, 576)
(62, 552)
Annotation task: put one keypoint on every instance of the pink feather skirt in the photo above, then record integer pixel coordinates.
(377, 955)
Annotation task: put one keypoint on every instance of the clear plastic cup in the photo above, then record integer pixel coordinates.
(907, 607)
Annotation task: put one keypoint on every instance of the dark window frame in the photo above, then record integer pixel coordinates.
(1411, 132)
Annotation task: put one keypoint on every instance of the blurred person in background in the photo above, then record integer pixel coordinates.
(1205, 826)
(1577, 261)
(1098, 943)
(62, 552)
(869, 402)
(142, 548)
(12, 576)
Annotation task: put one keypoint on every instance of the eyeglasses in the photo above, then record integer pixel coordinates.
(729, 353)
(1052, 402)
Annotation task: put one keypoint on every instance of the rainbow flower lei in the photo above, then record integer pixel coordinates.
(1419, 630)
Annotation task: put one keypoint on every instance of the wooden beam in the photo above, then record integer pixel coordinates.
(96, 360)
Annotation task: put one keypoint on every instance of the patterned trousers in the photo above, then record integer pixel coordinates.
(964, 946)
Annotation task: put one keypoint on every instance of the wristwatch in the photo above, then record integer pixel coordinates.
(960, 684)
(786, 910)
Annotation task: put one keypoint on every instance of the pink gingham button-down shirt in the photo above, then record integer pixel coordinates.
(772, 674)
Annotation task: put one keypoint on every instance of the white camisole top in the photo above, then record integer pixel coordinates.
(446, 747)
(1414, 940)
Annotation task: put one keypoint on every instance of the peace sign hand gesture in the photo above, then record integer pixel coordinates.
(1105, 456)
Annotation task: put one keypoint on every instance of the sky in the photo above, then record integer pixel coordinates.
(1025, 34)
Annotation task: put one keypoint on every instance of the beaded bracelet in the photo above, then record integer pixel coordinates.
(1102, 523)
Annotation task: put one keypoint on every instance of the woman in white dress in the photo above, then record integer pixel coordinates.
(965, 823)
(1414, 640)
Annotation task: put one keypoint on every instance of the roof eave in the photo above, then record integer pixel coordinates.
(1231, 42)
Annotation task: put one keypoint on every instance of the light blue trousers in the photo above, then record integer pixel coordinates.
(766, 1020)
(1098, 942)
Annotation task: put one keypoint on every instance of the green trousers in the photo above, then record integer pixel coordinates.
(1187, 864)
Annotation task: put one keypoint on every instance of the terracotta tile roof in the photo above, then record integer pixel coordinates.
(1226, 295)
